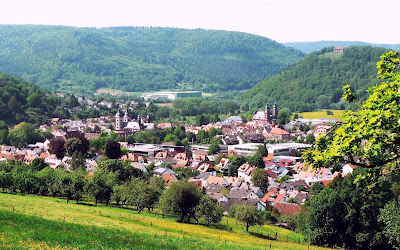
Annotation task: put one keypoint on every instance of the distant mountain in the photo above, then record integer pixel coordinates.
(140, 59)
(317, 80)
(308, 47)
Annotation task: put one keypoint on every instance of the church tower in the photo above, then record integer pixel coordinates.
(126, 117)
(267, 113)
(118, 121)
(275, 111)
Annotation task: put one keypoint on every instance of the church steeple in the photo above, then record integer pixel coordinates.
(275, 111)
(267, 113)
(118, 121)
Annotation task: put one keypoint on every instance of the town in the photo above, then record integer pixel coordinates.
(228, 169)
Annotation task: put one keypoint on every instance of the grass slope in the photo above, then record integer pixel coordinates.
(38, 222)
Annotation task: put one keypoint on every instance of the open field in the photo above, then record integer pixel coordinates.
(42, 222)
(321, 114)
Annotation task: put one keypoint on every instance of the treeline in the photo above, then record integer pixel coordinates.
(137, 59)
(309, 47)
(316, 82)
(114, 182)
(24, 101)
(360, 211)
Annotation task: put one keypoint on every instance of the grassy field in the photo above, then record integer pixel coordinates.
(321, 114)
(41, 222)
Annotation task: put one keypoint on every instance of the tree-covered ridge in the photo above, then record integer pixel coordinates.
(309, 47)
(24, 101)
(140, 59)
(317, 81)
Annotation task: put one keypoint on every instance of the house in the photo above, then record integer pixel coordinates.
(181, 156)
(140, 166)
(299, 166)
(169, 178)
(224, 164)
(348, 168)
(242, 194)
(180, 164)
(215, 180)
(339, 48)
(323, 173)
(273, 196)
(207, 168)
(233, 181)
(287, 208)
(321, 129)
(251, 138)
(244, 172)
(277, 134)
(218, 196)
(159, 171)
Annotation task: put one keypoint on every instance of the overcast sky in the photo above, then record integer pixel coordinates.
(281, 20)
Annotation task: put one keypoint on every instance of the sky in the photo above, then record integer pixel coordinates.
(281, 20)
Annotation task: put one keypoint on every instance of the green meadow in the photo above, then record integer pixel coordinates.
(28, 221)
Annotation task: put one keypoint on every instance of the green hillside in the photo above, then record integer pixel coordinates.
(309, 47)
(139, 58)
(316, 81)
(24, 101)
(40, 222)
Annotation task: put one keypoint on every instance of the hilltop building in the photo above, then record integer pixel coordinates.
(266, 115)
(338, 48)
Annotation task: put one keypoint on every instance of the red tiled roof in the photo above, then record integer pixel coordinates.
(287, 208)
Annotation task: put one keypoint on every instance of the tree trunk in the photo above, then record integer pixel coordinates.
(247, 227)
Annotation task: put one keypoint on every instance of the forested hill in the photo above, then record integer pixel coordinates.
(25, 101)
(317, 80)
(309, 47)
(139, 59)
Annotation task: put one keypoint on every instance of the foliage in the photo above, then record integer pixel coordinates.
(209, 209)
(57, 147)
(284, 116)
(180, 200)
(24, 101)
(372, 131)
(100, 185)
(348, 214)
(317, 76)
(23, 134)
(113, 150)
(259, 178)
(390, 217)
(214, 147)
(77, 144)
(249, 216)
(85, 59)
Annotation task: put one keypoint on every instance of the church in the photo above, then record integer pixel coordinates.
(266, 116)
(124, 125)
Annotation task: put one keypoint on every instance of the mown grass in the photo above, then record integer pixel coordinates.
(87, 226)
(321, 114)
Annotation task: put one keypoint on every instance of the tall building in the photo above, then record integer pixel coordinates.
(266, 116)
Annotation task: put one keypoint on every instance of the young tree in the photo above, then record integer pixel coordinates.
(249, 216)
(100, 185)
(214, 147)
(257, 161)
(210, 210)
(180, 200)
(260, 178)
